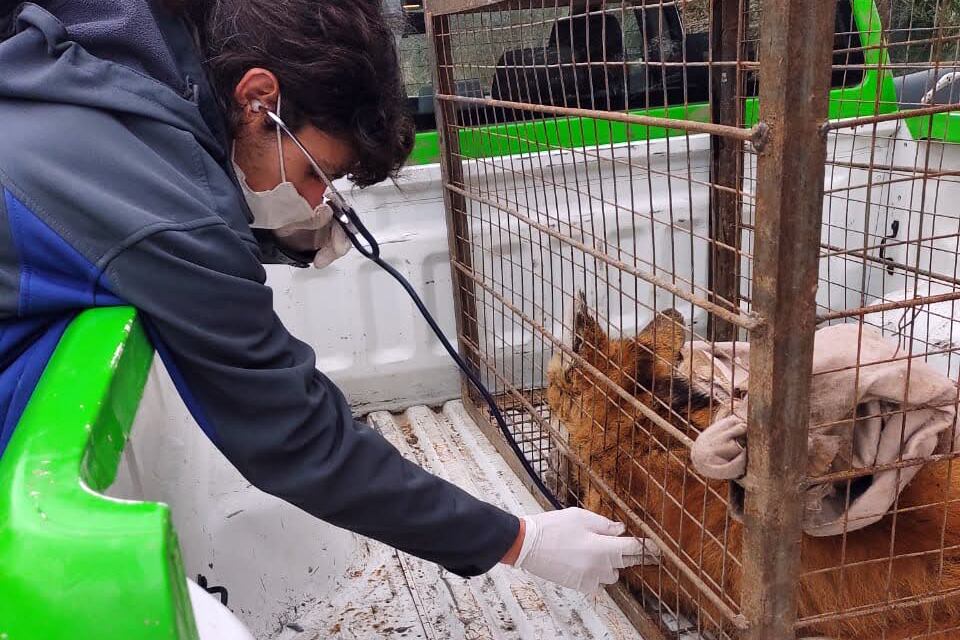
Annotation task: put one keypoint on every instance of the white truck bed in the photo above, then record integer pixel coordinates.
(290, 576)
(388, 594)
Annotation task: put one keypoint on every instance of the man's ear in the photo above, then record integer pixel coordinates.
(257, 87)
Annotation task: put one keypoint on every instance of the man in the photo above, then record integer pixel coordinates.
(138, 165)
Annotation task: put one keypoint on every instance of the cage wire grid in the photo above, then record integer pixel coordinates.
(615, 195)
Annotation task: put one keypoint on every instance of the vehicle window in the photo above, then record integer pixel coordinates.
(848, 55)
(415, 64)
(486, 39)
(921, 33)
(621, 57)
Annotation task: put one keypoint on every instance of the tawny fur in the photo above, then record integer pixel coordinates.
(651, 472)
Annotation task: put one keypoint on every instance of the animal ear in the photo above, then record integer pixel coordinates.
(666, 332)
(581, 330)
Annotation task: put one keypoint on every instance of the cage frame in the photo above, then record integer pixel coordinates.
(788, 209)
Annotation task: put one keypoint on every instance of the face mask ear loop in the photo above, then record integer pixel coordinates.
(283, 170)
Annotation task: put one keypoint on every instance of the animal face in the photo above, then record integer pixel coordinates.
(591, 386)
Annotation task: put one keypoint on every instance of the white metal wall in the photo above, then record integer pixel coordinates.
(366, 332)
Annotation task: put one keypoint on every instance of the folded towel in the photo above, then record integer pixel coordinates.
(870, 405)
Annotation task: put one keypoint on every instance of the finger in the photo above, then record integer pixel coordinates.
(729, 428)
(323, 258)
(622, 549)
(650, 556)
(730, 450)
(339, 240)
(610, 577)
(323, 215)
(645, 560)
(736, 429)
(600, 524)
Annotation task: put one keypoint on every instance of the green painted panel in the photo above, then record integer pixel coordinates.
(76, 564)
(944, 127)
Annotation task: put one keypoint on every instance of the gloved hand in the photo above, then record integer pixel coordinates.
(577, 548)
(320, 233)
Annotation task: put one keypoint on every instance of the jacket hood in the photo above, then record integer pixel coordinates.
(130, 57)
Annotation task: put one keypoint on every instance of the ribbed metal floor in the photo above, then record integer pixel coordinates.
(387, 594)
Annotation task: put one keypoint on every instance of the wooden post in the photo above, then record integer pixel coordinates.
(796, 38)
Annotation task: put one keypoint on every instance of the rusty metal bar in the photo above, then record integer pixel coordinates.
(451, 168)
(876, 166)
(794, 89)
(836, 252)
(853, 474)
(753, 134)
(602, 9)
(726, 168)
(889, 262)
(627, 63)
(596, 156)
(880, 559)
(933, 175)
(890, 306)
(896, 115)
(745, 320)
(900, 603)
(441, 7)
(898, 45)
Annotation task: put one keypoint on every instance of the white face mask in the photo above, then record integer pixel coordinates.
(293, 221)
(283, 205)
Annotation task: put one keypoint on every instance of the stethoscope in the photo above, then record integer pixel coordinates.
(355, 229)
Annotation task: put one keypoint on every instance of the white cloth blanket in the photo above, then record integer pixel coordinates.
(870, 405)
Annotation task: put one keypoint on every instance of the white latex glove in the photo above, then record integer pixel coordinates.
(577, 548)
(321, 233)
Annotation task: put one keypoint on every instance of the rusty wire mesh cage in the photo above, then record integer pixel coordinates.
(722, 226)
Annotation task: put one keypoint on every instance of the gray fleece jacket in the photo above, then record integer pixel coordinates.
(116, 188)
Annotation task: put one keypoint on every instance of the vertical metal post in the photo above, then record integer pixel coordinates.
(726, 167)
(795, 57)
(451, 171)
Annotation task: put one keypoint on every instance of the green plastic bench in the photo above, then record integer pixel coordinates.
(74, 563)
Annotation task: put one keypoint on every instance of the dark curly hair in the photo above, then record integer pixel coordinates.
(337, 64)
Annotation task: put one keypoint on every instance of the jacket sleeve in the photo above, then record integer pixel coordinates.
(255, 391)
